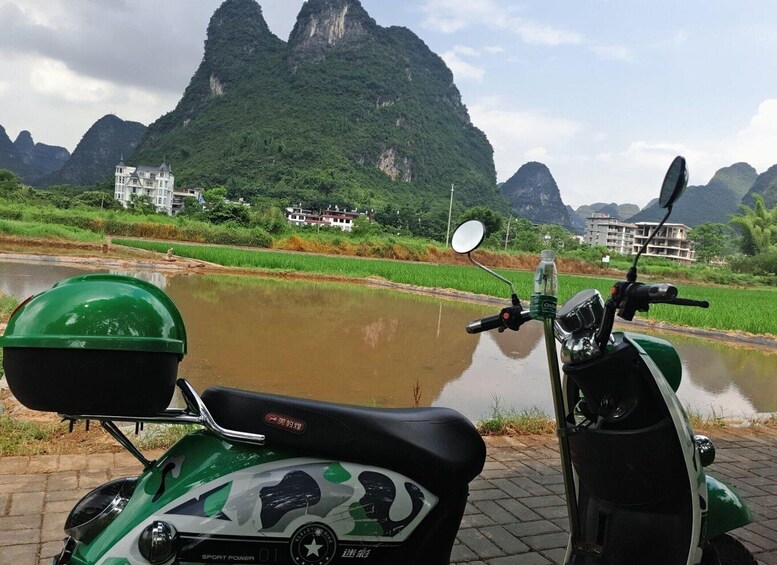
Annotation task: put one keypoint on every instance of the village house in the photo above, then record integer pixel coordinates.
(157, 183)
(331, 217)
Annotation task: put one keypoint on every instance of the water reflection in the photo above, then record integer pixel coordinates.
(368, 346)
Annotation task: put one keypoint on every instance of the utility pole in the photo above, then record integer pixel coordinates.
(450, 209)
(507, 233)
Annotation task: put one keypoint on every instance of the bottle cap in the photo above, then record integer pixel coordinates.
(548, 255)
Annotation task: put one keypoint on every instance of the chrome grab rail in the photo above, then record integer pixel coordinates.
(195, 413)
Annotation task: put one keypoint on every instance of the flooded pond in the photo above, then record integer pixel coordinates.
(369, 346)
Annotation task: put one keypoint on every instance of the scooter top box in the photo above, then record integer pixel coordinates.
(95, 344)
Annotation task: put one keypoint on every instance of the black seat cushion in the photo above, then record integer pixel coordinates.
(438, 447)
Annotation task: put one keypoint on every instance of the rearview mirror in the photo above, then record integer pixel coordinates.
(675, 181)
(468, 236)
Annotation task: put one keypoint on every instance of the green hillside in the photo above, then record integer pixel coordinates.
(347, 111)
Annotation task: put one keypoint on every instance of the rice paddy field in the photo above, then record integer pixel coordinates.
(731, 309)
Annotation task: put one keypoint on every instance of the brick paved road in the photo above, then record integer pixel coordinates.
(515, 514)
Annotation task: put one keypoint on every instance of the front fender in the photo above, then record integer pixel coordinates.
(727, 511)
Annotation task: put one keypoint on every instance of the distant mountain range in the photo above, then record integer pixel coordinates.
(344, 111)
(98, 152)
(708, 203)
(28, 159)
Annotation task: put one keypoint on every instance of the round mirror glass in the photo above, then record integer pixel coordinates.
(468, 236)
(675, 181)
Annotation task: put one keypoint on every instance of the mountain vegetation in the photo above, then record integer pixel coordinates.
(711, 203)
(766, 186)
(532, 193)
(28, 159)
(98, 152)
(620, 211)
(346, 112)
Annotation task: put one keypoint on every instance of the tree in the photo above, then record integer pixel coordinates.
(141, 204)
(758, 226)
(492, 220)
(710, 241)
(219, 211)
(96, 199)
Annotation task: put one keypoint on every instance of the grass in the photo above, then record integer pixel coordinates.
(509, 421)
(7, 305)
(25, 438)
(732, 309)
(47, 231)
(162, 436)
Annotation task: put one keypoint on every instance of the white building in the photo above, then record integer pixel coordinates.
(180, 194)
(343, 219)
(670, 242)
(155, 182)
(617, 236)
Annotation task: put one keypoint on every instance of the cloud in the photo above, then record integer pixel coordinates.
(536, 33)
(495, 49)
(613, 52)
(54, 79)
(466, 51)
(148, 44)
(450, 16)
(755, 143)
(462, 70)
(520, 135)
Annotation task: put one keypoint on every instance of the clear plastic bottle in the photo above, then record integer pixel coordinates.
(543, 301)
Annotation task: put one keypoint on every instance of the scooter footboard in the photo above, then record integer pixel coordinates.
(628, 467)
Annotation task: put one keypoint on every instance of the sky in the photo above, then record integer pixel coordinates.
(604, 92)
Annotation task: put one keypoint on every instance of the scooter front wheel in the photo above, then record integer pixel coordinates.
(727, 550)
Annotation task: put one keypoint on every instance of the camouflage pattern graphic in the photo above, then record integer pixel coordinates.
(274, 500)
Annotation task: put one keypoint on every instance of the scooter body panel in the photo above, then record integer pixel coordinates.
(727, 511)
(240, 503)
(637, 483)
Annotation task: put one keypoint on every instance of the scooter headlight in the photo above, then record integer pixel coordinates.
(99, 508)
(706, 450)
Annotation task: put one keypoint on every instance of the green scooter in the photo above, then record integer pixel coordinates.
(634, 472)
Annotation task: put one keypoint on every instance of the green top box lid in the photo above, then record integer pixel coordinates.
(99, 311)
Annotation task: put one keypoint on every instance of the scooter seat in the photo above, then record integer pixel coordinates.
(438, 447)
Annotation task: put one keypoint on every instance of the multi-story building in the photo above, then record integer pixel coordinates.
(155, 182)
(617, 236)
(181, 193)
(670, 242)
(331, 217)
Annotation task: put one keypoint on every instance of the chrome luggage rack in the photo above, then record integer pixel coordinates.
(195, 413)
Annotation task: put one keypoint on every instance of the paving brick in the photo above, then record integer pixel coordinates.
(26, 503)
(67, 480)
(503, 539)
(523, 559)
(479, 543)
(19, 554)
(43, 464)
(13, 465)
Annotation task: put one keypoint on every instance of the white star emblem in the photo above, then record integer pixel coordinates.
(313, 548)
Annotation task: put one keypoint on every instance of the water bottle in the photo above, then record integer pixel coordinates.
(544, 300)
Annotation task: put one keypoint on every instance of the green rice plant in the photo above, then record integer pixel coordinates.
(731, 309)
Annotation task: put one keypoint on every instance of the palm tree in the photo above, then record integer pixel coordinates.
(758, 225)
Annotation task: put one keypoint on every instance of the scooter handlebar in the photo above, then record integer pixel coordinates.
(485, 324)
(655, 292)
(688, 302)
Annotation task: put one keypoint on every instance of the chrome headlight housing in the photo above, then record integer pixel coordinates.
(95, 511)
(576, 323)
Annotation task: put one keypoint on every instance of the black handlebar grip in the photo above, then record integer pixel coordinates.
(688, 302)
(485, 324)
(658, 292)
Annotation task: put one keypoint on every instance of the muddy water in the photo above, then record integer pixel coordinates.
(374, 347)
